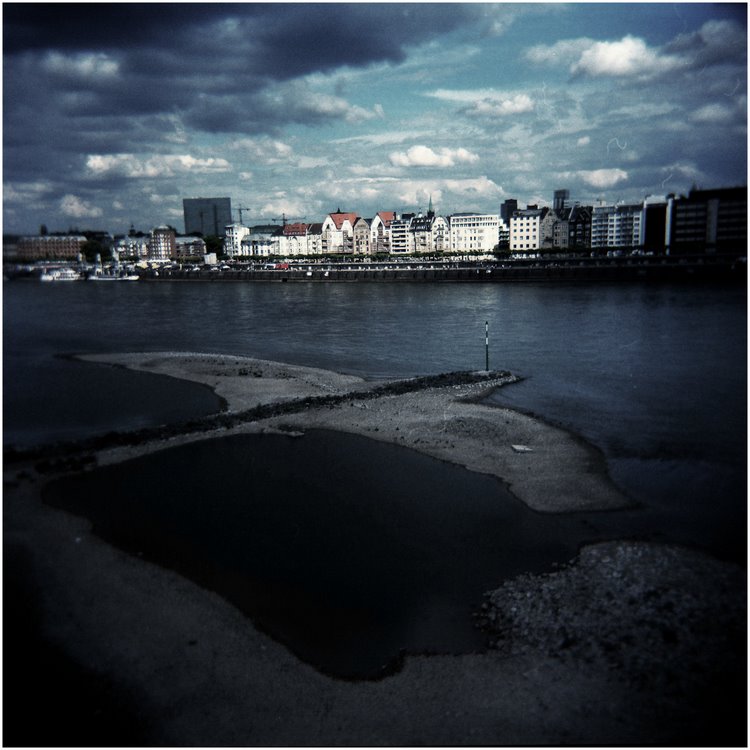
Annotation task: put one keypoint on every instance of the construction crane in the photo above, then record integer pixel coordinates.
(284, 219)
(240, 209)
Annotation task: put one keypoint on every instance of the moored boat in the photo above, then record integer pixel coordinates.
(60, 274)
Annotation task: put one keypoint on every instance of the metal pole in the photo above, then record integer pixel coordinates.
(487, 345)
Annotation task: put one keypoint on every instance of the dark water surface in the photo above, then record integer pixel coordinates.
(655, 376)
(348, 550)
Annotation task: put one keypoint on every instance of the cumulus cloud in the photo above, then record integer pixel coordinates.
(168, 165)
(232, 89)
(716, 42)
(602, 178)
(627, 57)
(80, 65)
(565, 52)
(424, 156)
(25, 191)
(486, 102)
(501, 107)
(76, 208)
(457, 192)
(263, 149)
(713, 113)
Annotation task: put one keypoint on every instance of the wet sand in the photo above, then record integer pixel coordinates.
(632, 644)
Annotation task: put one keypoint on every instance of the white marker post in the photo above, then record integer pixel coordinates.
(487, 345)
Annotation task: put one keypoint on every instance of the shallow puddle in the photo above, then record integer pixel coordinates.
(349, 551)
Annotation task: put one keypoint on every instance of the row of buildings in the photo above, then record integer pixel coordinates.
(162, 243)
(387, 233)
(703, 221)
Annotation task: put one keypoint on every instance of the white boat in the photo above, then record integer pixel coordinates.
(60, 274)
(113, 278)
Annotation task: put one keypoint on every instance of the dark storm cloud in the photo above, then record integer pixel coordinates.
(76, 26)
(211, 63)
(279, 40)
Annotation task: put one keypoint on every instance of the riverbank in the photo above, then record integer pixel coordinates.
(143, 655)
(181, 666)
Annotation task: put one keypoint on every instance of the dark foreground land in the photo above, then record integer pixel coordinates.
(630, 643)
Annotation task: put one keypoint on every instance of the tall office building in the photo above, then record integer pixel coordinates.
(207, 216)
(507, 209)
(561, 200)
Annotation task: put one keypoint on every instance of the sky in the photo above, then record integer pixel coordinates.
(113, 113)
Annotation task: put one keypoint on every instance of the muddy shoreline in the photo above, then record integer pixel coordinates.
(565, 668)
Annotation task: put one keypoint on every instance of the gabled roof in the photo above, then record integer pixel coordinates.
(422, 223)
(340, 217)
(386, 217)
(315, 228)
(295, 230)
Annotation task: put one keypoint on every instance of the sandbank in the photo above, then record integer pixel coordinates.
(546, 467)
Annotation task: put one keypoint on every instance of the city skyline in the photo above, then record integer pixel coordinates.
(113, 114)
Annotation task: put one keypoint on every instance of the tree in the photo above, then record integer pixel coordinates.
(214, 244)
(92, 248)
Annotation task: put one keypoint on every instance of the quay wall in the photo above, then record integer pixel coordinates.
(634, 271)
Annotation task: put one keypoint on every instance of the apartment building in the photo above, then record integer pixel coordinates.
(132, 246)
(50, 247)
(338, 232)
(617, 226)
(380, 232)
(429, 234)
(315, 239)
(526, 229)
(163, 244)
(361, 236)
(189, 247)
(293, 240)
(474, 233)
(262, 241)
(547, 227)
(400, 236)
(714, 220)
(233, 236)
(572, 230)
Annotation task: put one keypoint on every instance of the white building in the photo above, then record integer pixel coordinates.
(314, 239)
(617, 226)
(261, 242)
(234, 234)
(400, 235)
(380, 232)
(338, 232)
(361, 236)
(474, 233)
(429, 234)
(132, 247)
(293, 240)
(525, 229)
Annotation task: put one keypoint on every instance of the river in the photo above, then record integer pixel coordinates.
(654, 375)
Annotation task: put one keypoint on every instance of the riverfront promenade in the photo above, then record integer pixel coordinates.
(626, 268)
